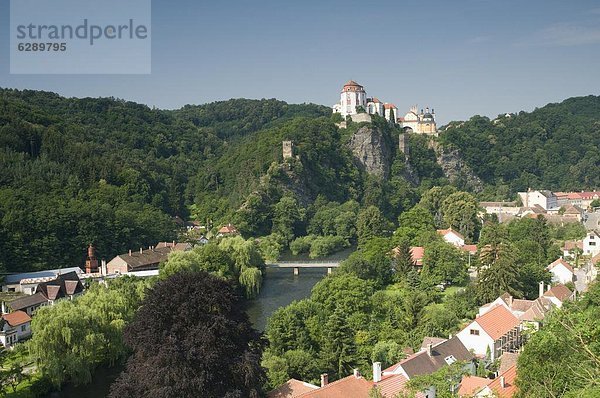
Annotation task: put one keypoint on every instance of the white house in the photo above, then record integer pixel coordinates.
(452, 237)
(495, 332)
(561, 271)
(545, 199)
(558, 294)
(14, 327)
(591, 243)
(352, 97)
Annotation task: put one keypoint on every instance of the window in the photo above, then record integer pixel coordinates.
(474, 332)
(450, 359)
(592, 243)
(23, 328)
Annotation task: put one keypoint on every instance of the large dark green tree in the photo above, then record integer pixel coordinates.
(190, 338)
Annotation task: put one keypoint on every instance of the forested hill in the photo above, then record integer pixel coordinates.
(114, 173)
(107, 171)
(555, 147)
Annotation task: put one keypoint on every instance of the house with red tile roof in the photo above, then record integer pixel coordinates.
(558, 294)
(291, 388)
(227, 230)
(562, 271)
(493, 333)
(502, 386)
(14, 327)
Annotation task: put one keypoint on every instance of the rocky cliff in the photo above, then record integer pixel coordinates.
(455, 169)
(371, 151)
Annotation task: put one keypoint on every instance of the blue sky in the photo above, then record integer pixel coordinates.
(460, 57)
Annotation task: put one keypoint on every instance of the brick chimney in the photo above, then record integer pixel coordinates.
(91, 262)
(356, 373)
(324, 379)
(376, 372)
(130, 252)
(430, 349)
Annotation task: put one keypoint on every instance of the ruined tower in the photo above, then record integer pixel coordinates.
(288, 150)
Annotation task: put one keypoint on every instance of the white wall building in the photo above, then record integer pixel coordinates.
(495, 332)
(591, 243)
(545, 199)
(14, 327)
(561, 271)
(452, 237)
(353, 96)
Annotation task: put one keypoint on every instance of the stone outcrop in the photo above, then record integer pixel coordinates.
(371, 151)
(455, 169)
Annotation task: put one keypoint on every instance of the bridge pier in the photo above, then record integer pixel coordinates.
(329, 270)
(296, 271)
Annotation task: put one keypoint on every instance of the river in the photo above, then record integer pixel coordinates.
(280, 288)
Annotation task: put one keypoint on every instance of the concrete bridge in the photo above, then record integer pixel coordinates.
(296, 265)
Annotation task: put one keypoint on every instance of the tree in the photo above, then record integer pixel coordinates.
(460, 212)
(339, 350)
(345, 292)
(209, 258)
(403, 261)
(191, 337)
(73, 337)
(432, 201)
(563, 358)
(370, 224)
(287, 217)
(443, 263)
(501, 275)
(595, 203)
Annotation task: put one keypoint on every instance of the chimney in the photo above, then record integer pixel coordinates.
(510, 301)
(103, 270)
(548, 288)
(376, 372)
(356, 373)
(324, 379)
(430, 349)
(141, 250)
(502, 382)
(541, 289)
(130, 252)
(173, 243)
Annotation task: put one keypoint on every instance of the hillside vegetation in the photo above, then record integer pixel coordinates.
(114, 173)
(555, 147)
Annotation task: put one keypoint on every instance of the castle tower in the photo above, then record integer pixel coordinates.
(353, 95)
(288, 150)
(91, 263)
(403, 144)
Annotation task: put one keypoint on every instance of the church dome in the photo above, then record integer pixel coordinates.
(428, 116)
(352, 86)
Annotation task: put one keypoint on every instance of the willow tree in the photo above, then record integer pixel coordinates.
(251, 280)
(73, 337)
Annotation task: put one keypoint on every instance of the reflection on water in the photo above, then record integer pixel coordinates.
(280, 288)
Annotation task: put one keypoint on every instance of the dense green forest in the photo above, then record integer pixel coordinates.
(555, 147)
(115, 173)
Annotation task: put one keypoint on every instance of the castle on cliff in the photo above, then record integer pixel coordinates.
(355, 104)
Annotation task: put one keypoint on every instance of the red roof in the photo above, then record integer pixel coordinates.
(291, 388)
(510, 388)
(352, 83)
(470, 385)
(16, 318)
(348, 387)
(228, 229)
(562, 262)
(497, 322)
(469, 248)
(596, 259)
(390, 106)
(559, 291)
(417, 253)
(391, 385)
